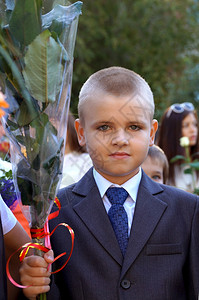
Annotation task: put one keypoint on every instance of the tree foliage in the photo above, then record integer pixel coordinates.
(156, 38)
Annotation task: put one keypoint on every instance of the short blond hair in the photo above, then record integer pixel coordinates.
(116, 81)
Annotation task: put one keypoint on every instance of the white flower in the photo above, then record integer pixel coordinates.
(4, 165)
(184, 141)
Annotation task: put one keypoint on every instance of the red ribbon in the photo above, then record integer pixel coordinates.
(39, 234)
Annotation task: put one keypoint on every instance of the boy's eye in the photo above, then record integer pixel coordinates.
(134, 127)
(103, 127)
(156, 177)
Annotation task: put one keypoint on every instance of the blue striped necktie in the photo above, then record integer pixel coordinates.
(118, 215)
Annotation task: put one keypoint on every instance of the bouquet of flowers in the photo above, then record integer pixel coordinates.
(189, 165)
(37, 41)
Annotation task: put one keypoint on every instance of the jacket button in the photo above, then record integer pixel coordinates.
(125, 284)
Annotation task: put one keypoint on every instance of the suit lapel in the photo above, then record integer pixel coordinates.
(149, 210)
(92, 212)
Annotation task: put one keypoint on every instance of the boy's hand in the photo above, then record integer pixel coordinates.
(33, 271)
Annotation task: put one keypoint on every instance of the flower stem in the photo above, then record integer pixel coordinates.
(42, 297)
(188, 158)
(40, 253)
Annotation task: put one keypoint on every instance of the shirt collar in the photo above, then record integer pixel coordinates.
(131, 186)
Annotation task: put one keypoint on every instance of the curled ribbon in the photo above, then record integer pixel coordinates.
(41, 233)
(22, 255)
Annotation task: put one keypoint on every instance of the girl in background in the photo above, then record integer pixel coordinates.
(179, 120)
(76, 159)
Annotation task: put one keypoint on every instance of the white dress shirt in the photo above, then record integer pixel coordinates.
(131, 186)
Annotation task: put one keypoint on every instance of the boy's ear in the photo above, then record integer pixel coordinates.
(80, 132)
(154, 128)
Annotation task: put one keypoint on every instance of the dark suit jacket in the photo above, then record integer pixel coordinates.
(162, 258)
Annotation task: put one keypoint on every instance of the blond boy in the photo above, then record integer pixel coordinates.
(161, 259)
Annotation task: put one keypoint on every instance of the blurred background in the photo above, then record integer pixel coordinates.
(159, 39)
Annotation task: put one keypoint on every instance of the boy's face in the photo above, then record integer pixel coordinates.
(154, 169)
(117, 132)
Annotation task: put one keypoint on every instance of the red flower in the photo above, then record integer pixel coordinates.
(4, 146)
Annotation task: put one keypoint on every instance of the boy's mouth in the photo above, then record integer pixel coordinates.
(119, 155)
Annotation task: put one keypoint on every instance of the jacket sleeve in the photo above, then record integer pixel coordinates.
(192, 265)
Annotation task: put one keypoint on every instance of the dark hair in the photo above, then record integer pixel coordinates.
(155, 152)
(72, 136)
(169, 135)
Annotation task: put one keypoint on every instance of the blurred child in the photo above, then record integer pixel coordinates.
(8, 193)
(76, 160)
(156, 165)
(12, 236)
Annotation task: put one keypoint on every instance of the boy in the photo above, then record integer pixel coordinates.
(12, 236)
(156, 165)
(154, 253)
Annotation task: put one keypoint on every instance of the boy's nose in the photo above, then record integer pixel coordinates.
(120, 138)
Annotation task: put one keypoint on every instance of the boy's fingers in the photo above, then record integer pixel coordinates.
(33, 267)
(34, 272)
(49, 256)
(35, 261)
(35, 281)
(38, 278)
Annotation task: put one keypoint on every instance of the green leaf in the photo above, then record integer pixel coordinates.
(4, 67)
(57, 27)
(39, 124)
(196, 191)
(188, 171)
(24, 116)
(43, 69)
(27, 178)
(7, 174)
(25, 22)
(50, 144)
(195, 165)
(20, 139)
(25, 187)
(18, 78)
(12, 126)
(52, 165)
(177, 157)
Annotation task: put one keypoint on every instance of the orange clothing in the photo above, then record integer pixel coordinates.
(21, 218)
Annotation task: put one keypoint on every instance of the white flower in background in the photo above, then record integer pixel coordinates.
(184, 141)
